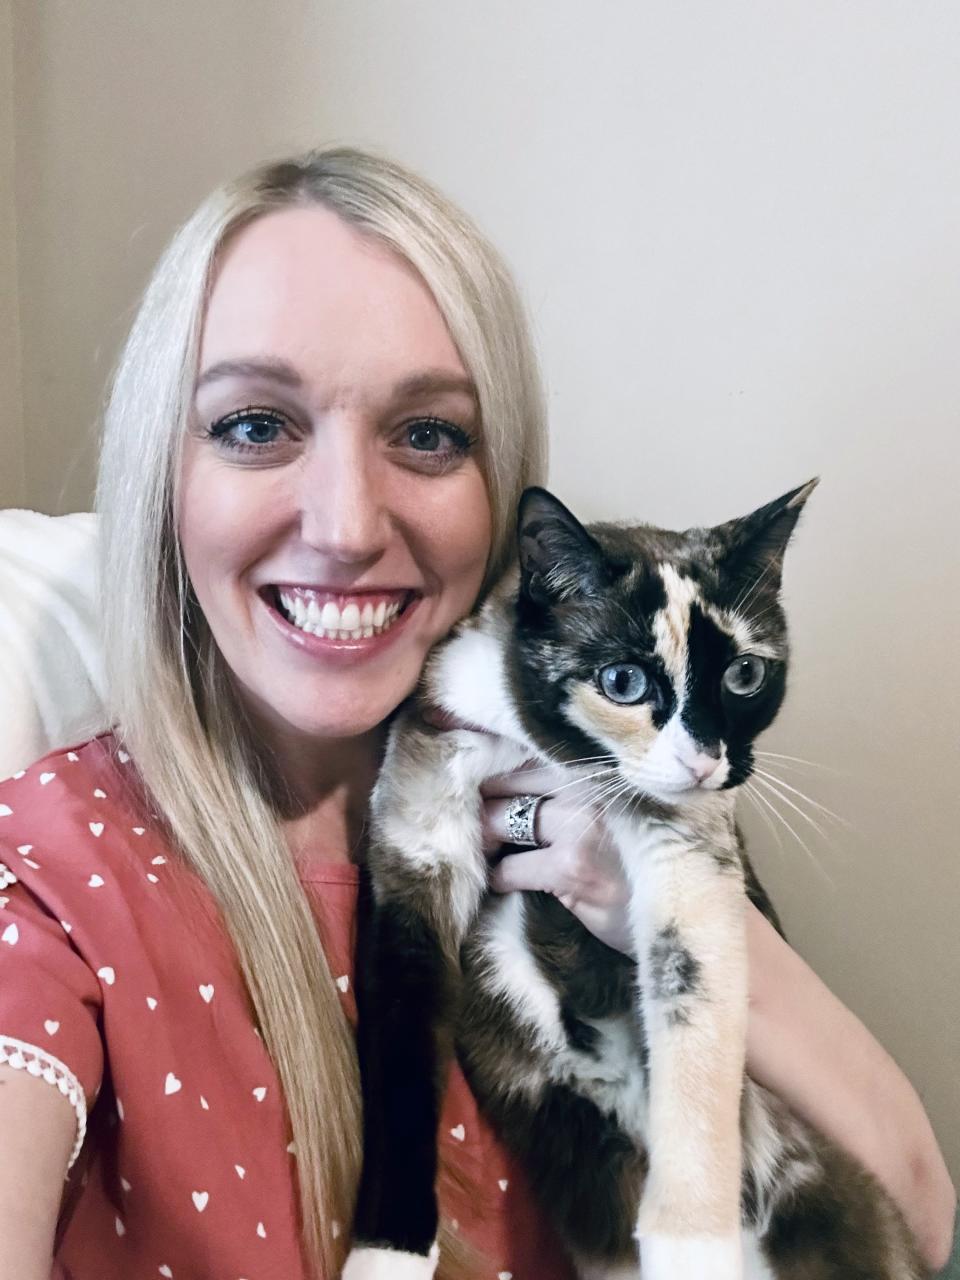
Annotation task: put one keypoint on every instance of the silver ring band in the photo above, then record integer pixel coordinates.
(521, 816)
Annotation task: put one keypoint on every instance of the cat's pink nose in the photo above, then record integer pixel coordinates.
(703, 765)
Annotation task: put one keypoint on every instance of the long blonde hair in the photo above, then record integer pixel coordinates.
(171, 699)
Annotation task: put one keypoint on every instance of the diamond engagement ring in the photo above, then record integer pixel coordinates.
(521, 815)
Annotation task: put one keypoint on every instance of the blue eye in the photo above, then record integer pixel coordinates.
(623, 682)
(745, 675)
(434, 435)
(247, 429)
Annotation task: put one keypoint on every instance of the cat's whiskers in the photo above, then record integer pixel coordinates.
(828, 813)
(795, 760)
(750, 794)
(749, 591)
(802, 843)
(770, 786)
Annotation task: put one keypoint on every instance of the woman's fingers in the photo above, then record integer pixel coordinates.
(530, 869)
(532, 779)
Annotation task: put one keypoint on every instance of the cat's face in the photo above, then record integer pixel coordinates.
(666, 651)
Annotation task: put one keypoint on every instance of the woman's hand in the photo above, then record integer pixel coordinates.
(576, 862)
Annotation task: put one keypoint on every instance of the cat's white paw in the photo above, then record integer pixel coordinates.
(389, 1264)
(691, 1257)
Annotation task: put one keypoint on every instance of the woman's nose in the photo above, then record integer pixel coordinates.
(343, 512)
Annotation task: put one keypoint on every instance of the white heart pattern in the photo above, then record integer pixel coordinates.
(165, 1271)
(206, 990)
(459, 1133)
(10, 935)
(24, 849)
(96, 828)
(200, 1200)
(261, 1231)
(67, 928)
(172, 1084)
(138, 831)
(122, 757)
(5, 811)
(343, 982)
(241, 1171)
(107, 974)
(503, 1184)
(260, 1092)
(151, 1003)
(95, 881)
(51, 1027)
(46, 777)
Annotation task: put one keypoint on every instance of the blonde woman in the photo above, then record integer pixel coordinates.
(321, 423)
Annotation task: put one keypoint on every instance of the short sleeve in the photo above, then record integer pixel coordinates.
(49, 1000)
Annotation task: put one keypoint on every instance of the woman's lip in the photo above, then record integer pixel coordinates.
(344, 651)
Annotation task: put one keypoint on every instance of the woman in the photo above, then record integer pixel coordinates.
(320, 425)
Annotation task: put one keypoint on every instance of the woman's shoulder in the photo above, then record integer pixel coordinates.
(78, 834)
(58, 806)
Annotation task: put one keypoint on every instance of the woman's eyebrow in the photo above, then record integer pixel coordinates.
(273, 370)
(432, 382)
(426, 382)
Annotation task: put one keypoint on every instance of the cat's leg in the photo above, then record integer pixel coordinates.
(427, 877)
(687, 907)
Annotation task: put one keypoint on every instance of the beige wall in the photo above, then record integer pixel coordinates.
(12, 480)
(738, 227)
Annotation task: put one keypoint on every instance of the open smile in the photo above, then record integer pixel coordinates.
(351, 621)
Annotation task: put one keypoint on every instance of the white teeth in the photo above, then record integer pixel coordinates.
(332, 623)
(350, 617)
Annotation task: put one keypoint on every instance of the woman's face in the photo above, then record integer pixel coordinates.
(334, 516)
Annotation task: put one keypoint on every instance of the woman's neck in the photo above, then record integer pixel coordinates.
(323, 790)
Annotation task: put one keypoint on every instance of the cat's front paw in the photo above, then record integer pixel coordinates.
(369, 1263)
(691, 1257)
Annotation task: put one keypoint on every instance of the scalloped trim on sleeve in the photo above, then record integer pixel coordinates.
(37, 1062)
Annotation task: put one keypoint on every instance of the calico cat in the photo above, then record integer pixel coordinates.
(653, 659)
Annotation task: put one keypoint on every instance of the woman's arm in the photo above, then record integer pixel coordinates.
(805, 1046)
(38, 1131)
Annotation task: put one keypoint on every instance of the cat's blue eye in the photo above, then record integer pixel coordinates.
(623, 682)
(745, 675)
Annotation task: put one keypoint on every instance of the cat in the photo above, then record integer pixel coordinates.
(652, 659)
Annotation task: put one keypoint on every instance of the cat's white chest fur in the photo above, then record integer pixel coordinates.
(467, 679)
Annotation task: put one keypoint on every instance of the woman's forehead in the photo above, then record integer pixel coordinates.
(301, 286)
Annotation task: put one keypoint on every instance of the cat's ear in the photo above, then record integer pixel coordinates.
(559, 560)
(752, 546)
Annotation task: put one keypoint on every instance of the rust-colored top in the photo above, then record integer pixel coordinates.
(118, 985)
